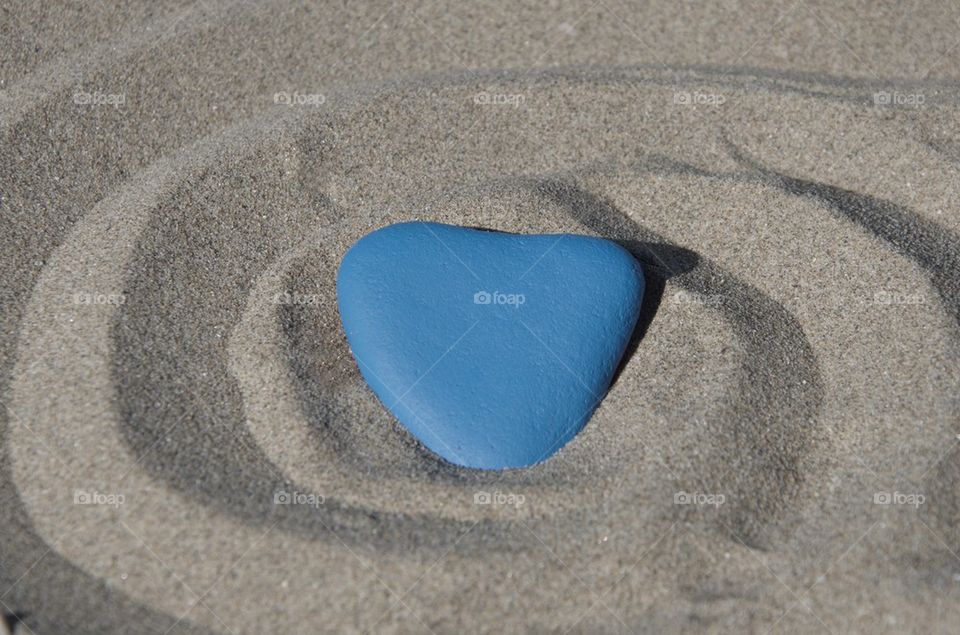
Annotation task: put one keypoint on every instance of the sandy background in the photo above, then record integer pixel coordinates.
(178, 183)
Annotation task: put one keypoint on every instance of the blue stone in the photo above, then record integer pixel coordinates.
(493, 349)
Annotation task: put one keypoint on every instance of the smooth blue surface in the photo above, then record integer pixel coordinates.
(488, 385)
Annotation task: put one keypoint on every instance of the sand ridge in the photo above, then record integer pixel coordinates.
(173, 352)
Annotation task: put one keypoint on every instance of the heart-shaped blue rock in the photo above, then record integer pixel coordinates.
(493, 349)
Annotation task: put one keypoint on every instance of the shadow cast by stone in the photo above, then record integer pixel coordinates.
(770, 429)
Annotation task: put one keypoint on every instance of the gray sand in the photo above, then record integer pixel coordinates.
(779, 452)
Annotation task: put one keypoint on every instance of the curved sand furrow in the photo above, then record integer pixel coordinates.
(198, 396)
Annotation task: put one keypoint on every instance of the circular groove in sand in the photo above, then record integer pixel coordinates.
(94, 257)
